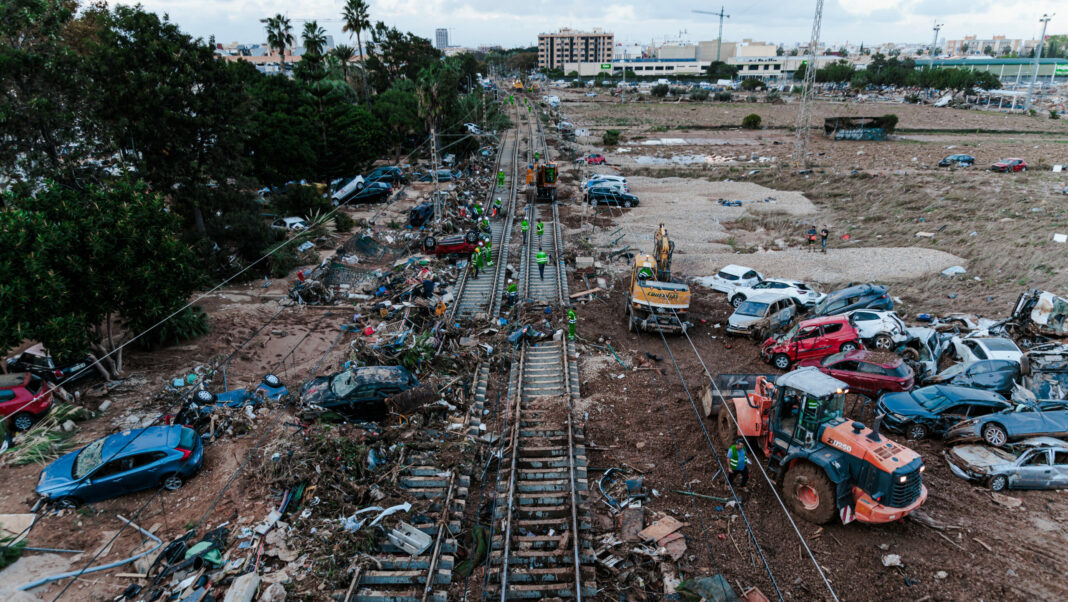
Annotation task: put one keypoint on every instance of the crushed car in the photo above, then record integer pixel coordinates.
(1029, 419)
(763, 311)
(1039, 463)
(860, 296)
(999, 376)
(880, 330)
(923, 350)
(1045, 371)
(358, 392)
(810, 339)
(37, 361)
(935, 409)
(459, 244)
(1040, 313)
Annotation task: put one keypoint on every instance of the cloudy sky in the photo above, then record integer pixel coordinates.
(517, 22)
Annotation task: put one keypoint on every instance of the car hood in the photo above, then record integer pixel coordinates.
(317, 391)
(903, 404)
(58, 473)
(981, 458)
(739, 321)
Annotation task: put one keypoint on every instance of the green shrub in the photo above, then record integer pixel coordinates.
(299, 201)
(610, 137)
(723, 96)
(699, 94)
(753, 84)
(889, 122)
(342, 222)
(913, 99)
(660, 90)
(772, 96)
(1053, 114)
(751, 121)
(188, 324)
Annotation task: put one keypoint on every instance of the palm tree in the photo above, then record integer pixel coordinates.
(314, 38)
(279, 35)
(357, 18)
(344, 53)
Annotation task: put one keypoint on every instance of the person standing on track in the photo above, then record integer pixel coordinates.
(497, 207)
(539, 229)
(542, 259)
(736, 460)
(571, 321)
(524, 226)
(476, 260)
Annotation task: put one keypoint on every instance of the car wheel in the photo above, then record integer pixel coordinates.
(204, 397)
(781, 361)
(627, 204)
(848, 346)
(272, 381)
(999, 482)
(173, 482)
(883, 342)
(910, 355)
(995, 435)
(67, 502)
(737, 301)
(23, 421)
(471, 237)
(429, 243)
(916, 432)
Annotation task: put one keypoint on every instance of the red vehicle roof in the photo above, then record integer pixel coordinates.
(824, 320)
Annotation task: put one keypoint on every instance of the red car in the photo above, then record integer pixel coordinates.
(1008, 165)
(866, 372)
(811, 339)
(595, 160)
(459, 244)
(24, 398)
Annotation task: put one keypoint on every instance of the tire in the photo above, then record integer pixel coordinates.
(810, 493)
(910, 355)
(916, 432)
(272, 381)
(1023, 169)
(627, 204)
(23, 421)
(848, 346)
(429, 243)
(725, 427)
(204, 397)
(999, 483)
(67, 502)
(994, 435)
(737, 301)
(173, 482)
(781, 361)
(471, 237)
(883, 342)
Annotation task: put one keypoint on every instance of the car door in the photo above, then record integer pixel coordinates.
(869, 377)
(145, 470)
(864, 321)
(1060, 468)
(807, 342)
(953, 415)
(110, 480)
(1035, 470)
(845, 371)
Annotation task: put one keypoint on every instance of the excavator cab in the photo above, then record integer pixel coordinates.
(546, 175)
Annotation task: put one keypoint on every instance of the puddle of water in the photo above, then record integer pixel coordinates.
(682, 160)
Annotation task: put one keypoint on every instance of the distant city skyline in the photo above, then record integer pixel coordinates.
(473, 23)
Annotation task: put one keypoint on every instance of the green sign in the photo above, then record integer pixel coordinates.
(606, 66)
(1060, 69)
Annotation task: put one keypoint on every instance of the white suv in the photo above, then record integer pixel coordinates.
(798, 291)
(879, 329)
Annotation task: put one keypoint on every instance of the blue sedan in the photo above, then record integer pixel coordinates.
(123, 463)
(936, 409)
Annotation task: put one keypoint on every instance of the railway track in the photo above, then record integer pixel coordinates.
(542, 547)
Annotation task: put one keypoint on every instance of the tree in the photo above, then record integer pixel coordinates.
(964, 47)
(396, 55)
(572, 74)
(779, 50)
(718, 70)
(988, 50)
(799, 75)
(357, 17)
(838, 71)
(344, 54)
(397, 109)
(753, 84)
(279, 35)
(751, 121)
(660, 90)
(80, 263)
(310, 68)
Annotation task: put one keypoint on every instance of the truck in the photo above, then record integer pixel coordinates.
(654, 300)
(545, 181)
(825, 465)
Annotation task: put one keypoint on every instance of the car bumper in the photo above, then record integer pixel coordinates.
(894, 422)
(869, 511)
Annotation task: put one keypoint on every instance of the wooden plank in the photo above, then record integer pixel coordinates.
(633, 523)
(661, 528)
(586, 292)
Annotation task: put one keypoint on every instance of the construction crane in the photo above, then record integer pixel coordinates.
(801, 129)
(722, 15)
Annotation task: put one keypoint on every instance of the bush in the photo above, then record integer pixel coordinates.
(299, 201)
(699, 94)
(660, 90)
(576, 83)
(751, 98)
(723, 96)
(772, 96)
(189, 324)
(751, 121)
(678, 92)
(610, 137)
(753, 84)
(913, 99)
(1053, 114)
(889, 122)
(342, 222)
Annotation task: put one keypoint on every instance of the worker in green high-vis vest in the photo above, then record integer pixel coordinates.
(571, 320)
(539, 229)
(542, 260)
(500, 178)
(524, 226)
(513, 292)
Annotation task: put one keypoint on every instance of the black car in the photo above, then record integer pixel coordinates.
(421, 214)
(990, 375)
(48, 368)
(936, 409)
(389, 173)
(958, 161)
(372, 193)
(609, 196)
(358, 392)
(861, 296)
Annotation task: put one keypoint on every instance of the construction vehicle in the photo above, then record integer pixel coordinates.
(655, 302)
(545, 181)
(517, 84)
(825, 464)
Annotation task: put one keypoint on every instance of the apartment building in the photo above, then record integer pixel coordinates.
(441, 38)
(571, 46)
(993, 46)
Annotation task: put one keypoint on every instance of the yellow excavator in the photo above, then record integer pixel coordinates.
(654, 302)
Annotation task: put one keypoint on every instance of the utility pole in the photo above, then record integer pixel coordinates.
(722, 15)
(801, 129)
(1038, 55)
(934, 42)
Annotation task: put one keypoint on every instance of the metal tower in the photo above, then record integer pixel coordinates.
(801, 129)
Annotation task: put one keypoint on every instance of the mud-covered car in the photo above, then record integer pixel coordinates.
(936, 409)
(359, 392)
(923, 350)
(989, 375)
(1042, 313)
(1039, 463)
(866, 372)
(1045, 371)
(1043, 418)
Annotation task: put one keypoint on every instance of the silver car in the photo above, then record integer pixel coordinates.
(770, 309)
(1042, 464)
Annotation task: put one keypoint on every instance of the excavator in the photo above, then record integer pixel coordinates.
(545, 175)
(825, 465)
(655, 302)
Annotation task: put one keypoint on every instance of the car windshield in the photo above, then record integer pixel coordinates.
(833, 359)
(790, 333)
(343, 383)
(1000, 345)
(88, 459)
(752, 308)
(901, 370)
(929, 397)
(727, 276)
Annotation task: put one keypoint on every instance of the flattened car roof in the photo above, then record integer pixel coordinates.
(810, 380)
